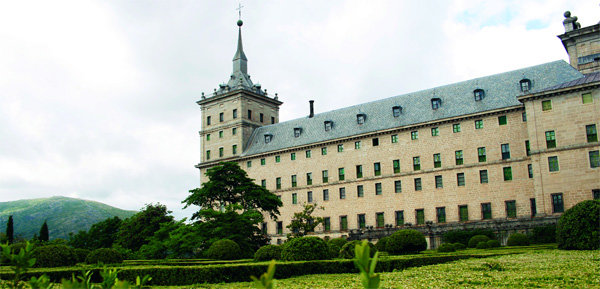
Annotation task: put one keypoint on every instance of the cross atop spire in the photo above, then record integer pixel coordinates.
(239, 9)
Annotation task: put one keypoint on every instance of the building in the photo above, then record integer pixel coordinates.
(507, 151)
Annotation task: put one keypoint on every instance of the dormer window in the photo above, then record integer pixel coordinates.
(436, 103)
(478, 94)
(396, 110)
(268, 138)
(328, 125)
(297, 131)
(525, 85)
(360, 118)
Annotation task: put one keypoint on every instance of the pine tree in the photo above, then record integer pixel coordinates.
(44, 233)
(10, 233)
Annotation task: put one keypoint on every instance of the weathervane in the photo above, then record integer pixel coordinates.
(239, 9)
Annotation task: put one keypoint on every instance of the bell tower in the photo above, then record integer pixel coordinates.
(232, 112)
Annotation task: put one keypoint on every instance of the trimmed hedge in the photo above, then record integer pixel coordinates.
(542, 234)
(459, 246)
(579, 227)
(482, 245)
(267, 253)
(446, 247)
(517, 239)
(381, 244)
(477, 239)
(406, 241)
(348, 250)
(493, 243)
(338, 241)
(224, 250)
(463, 236)
(54, 256)
(305, 248)
(105, 256)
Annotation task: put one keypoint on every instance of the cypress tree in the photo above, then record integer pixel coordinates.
(44, 233)
(10, 233)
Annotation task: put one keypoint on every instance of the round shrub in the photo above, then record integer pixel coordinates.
(381, 244)
(476, 239)
(406, 241)
(446, 247)
(105, 256)
(517, 239)
(493, 243)
(338, 241)
(54, 256)
(267, 253)
(579, 227)
(348, 250)
(482, 245)
(305, 248)
(335, 245)
(81, 254)
(459, 246)
(224, 249)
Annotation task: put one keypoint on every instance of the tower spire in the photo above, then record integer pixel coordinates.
(240, 62)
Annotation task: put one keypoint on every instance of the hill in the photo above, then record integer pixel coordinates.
(64, 215)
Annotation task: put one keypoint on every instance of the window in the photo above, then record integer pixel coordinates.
(439, 182)
(263, 161)
(378, 189)
(435, 131)
(325, 195)
(341, 174)
(279, 228)
(436, 103)
(399, 218)
(342, 193)
(297, 131)
(375, 142)
(278, 183)
(234, 113)
(414, 135)
(530, 171)
(525, 85)
(326, 224)
(460, 179)
(377, 169)
(437, 160)
(478, 124)
(533, 207)
(360, 191)
(397, 186)
(272, 120)
(249, 164)
(357, 145)
(546, 105)
(507, 173)
(524, 116)
(220, 134)
(359, 171)
(261, 117)
(483, 176)
(441, 214)
(394, 138)
(463, 213)
(505, 151)
(294, 198)
(309, 197)
(268, 138)
(249, 114)
(418, 186)
(380, 221)
(360, 118)
(557, 203)
(220, 152)
(208, 120)
(591, 132)
(221, 117)
(456, 127)
(362, 222)
(527, 148)
(277, 159)
(511, 209)
(396, 110)
(234, 149)
(343, 223)
(553, 164)
(328, 125)
(208, 154)
(596, 194)
(396, 165)
(308, 154)
(486, 211)
(208, 136)
(550, 139)
(324, 151)
(587, 98)
(234, 131)
(478, 94)
(458, 156)
(502, 120)
(294, 181)
(340, 148)
(594, 159)
(309, 179)
(416, 163)
(293, 156)
(264, 228)
(325, 176)
(420, 216)
(481, 154)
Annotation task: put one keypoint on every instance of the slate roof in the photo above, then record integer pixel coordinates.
(588, 78)
(501, 90)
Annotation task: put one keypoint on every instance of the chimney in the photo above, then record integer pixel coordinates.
(312, 109)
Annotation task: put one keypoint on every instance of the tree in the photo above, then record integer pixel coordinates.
(303, 222)
(100, 235)
(136, 230)
(10, 233)
(231, 205)
(44, 235)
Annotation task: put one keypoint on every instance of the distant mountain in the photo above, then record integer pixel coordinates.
(63, 215)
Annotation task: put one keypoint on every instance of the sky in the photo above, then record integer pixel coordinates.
(97, 98)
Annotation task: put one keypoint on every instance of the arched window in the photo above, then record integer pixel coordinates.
(525, 84)
(436, 103)
(360, 118)
(478, 94)
(396, 110)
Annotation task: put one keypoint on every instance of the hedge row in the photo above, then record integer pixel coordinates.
(188, 275)
(183, 262)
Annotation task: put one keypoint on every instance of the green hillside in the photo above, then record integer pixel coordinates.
(63, 215)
